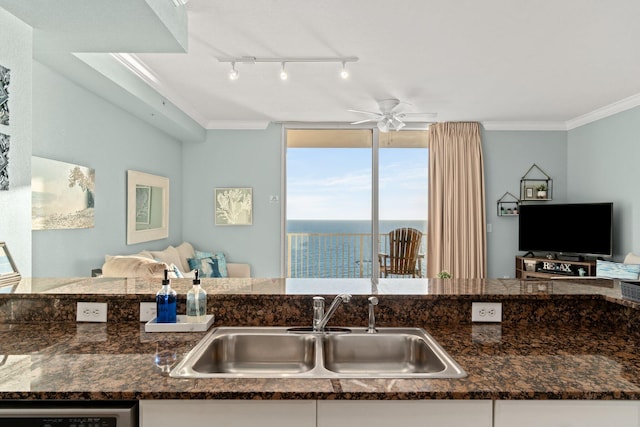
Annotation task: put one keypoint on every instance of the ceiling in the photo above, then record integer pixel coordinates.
(510, 64)
(505, 62)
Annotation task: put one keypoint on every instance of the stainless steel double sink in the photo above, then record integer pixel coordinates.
(280, 352)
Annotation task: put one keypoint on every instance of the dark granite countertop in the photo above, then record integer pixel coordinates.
(118, 361)
(556, 341)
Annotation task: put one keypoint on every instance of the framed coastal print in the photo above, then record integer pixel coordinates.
(234, 206)
(143, 204)
(62, 195)
(5, 76)
(4, 161)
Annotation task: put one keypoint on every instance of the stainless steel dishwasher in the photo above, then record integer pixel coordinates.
(63, 413)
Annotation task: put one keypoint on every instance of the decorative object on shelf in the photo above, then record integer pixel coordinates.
(4, 161)
(536, 184)
(508, 205)
(443, 275)
(5, 75)
(62, 195)
(234, 206)
(541, 191)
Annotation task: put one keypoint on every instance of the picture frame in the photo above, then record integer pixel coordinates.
(63, 195)
(233, 206)
(8, 270)
(530, 193)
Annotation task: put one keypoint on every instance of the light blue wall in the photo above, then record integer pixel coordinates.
(15, 204)
(604, 166)
(507, 157)
(241, 158)
(73, 125)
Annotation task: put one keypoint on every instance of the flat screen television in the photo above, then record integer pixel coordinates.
(572, 229)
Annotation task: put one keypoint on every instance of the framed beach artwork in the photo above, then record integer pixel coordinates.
(234, 206)
(62, 195)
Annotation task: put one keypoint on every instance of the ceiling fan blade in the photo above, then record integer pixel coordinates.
(425, 115)
(364, 121)
(365, 112)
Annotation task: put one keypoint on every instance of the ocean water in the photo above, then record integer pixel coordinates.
(337, 248)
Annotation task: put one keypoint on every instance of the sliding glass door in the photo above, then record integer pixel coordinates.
(343, 195)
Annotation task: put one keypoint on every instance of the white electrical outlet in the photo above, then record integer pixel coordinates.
(147, 311)
(91, 312)
(486, 312)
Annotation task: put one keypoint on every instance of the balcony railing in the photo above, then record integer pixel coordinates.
(341, 255)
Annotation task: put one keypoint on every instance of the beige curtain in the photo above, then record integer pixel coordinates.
(456, 238)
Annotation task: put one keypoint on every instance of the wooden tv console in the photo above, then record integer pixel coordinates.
(544, 268)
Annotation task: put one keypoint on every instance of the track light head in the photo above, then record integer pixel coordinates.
(283, 73)
(233, 74)
(344, 73)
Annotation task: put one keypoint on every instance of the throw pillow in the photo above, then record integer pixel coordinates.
(222, 260)
(632, 258)
(616, 270)
(185, 250)
(209, 266)
(169, 256)
(123, 266)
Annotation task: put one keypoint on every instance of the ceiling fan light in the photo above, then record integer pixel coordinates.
(283, 73)
(397, 124)
(344, 73)
(233, 74)
(383, 125)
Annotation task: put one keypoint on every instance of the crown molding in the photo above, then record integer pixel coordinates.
(606, 111)
(524, 126)
(237, 124)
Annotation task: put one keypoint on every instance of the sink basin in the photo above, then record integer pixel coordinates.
(291, 353)
(383, 353)
(249, 353)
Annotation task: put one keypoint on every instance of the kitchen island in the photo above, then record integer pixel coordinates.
(559, 340)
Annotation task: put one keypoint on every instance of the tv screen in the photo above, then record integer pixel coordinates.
(578, 228)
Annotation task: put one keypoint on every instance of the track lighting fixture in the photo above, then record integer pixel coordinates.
(284, 75)
(344, 73)
(233, 74)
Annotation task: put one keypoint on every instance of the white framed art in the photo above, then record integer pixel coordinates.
(234, 206)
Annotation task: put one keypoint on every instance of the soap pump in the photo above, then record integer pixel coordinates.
(166, 302)
(196, 302)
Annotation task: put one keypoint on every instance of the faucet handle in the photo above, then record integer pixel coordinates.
(345, 297)
(318, 311)
(373, 301)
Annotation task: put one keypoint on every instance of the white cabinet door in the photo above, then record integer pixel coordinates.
(567, 413)
(228, 413)
(400, 413)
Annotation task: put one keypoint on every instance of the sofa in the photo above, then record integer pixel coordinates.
(181, 262)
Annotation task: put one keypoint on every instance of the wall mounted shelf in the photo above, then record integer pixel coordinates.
(508, 205)
(536, 185)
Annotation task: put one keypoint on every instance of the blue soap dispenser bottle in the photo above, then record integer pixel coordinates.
(166, 302)
(196, 302)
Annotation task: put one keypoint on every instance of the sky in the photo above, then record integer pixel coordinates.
(335, 183)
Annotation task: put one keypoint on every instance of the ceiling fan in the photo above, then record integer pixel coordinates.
(388, 118)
